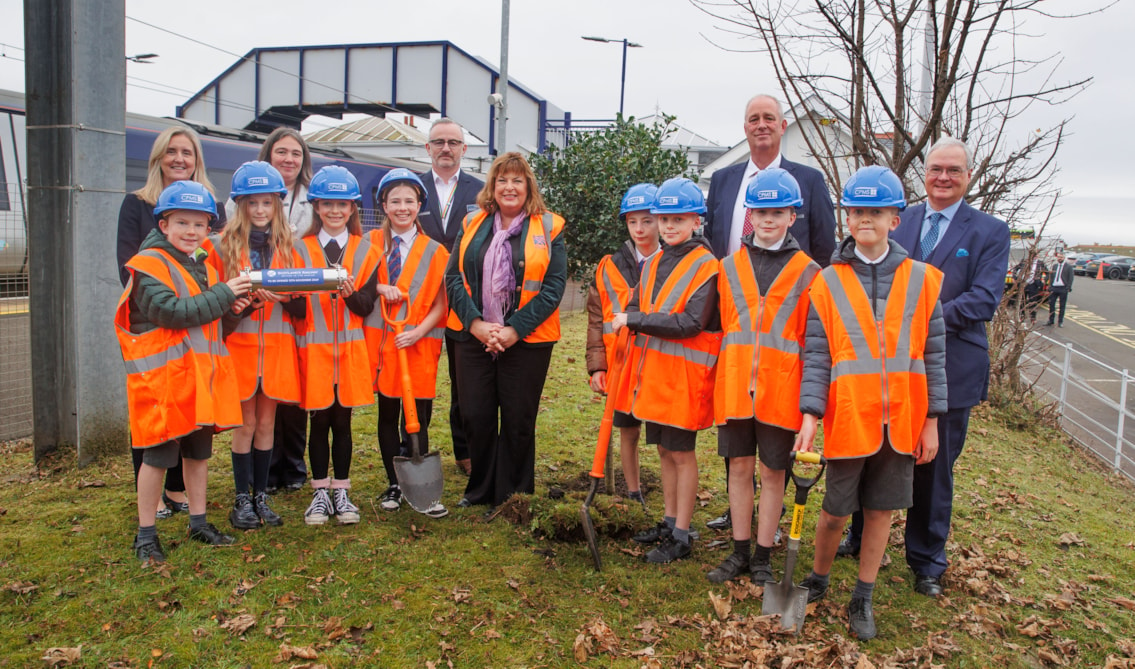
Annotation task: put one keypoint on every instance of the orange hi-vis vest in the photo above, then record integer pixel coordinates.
(878, 367)
(334, 363)
(614, 295)
(422, 278)
(759, 368)
(176, 380)
(263, 345)
(670, 381)
(537, 257)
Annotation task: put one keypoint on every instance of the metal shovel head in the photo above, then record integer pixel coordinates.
(589, 527)
(420, 480)
(790, 601)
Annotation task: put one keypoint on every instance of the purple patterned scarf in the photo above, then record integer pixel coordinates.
(498, 281)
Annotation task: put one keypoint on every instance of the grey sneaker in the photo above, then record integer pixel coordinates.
(243, 516)
(346, 512)
(438, 510)
(320, 509)
(861, 619)
(264, 510)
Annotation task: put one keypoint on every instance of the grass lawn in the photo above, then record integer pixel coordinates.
(1043, 569)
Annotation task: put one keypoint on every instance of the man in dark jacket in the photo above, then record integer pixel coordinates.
(1059, 285)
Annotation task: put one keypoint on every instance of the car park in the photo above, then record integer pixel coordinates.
(1114, 267)
(1082, 260)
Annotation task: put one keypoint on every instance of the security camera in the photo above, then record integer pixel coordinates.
(496, 100)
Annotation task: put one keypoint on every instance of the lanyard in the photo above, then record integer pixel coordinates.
(448, 204)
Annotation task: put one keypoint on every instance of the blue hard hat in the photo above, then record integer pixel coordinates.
(188, 195)
(873, 186)
(678, 196)
(256, 177)
(401, 175)
(334, 182)
(773, 188)
(638, 198)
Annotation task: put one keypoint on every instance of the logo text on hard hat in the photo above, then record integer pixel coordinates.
(767, 194)
(865, 191)
(668, 200)
(258, 181)
(191, 198)
(637, 199)
(337, 187)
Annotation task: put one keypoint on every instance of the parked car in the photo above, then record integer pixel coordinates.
(1082, 260)
(1114, 267)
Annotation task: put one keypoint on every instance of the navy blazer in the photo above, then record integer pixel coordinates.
(464, 202)
(973, 256)
(814, 228)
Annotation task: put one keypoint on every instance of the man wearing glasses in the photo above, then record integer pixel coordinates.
(972, 250)
(450, 195)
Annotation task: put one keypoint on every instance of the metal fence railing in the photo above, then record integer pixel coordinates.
(15, 345)
(1096, 406)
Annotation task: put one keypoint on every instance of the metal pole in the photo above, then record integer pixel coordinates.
(1067, 368)
(75, 76)
(1122, 420)
(502, 111)
(623, 81)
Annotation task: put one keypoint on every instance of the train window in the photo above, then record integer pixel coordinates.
(5, 187)
(136, 173)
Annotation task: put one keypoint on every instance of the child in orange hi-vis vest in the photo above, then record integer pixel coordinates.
(180, 382)
(616, 277)
(334, 362)
(763, 298)
(875, 371)
(415, 265)
(263, 343)
(667, 379)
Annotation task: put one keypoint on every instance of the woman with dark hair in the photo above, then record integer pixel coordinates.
(175, 156)
(505, 280)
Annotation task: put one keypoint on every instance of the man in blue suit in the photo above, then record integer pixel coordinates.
(450, 195)
(814, 228)
(972, 250)
(725, 223)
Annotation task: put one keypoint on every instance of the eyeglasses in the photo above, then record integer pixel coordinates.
(442, 143)
(952, 172)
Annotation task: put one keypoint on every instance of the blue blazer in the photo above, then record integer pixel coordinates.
(814, 228)
(464, 201)
(973, 256)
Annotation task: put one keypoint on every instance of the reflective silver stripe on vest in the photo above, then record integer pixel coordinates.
(770, 339)
(341, 332)
(274, 324)
(612, 292)
(437, 333)
(865, 362)
(673, 348)
(681, 284)
(151, 362)
(196, 334)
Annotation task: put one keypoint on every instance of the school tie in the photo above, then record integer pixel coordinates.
(930, 240)
(394, 261)
(747, 226)
(333, 252)
(640, 264)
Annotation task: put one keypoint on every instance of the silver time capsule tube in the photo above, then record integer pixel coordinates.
(298, 280)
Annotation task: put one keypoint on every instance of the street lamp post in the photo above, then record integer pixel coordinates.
(623, 81)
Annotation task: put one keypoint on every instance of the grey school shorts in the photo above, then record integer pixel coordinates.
(197, 445)
(625, 420)
(882, 482)
(671, 438)
(740, 438)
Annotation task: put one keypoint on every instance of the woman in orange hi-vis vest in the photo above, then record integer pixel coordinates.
(415, 265)
(180, 382)
(505, 281)
(263, 344)
(334, 362)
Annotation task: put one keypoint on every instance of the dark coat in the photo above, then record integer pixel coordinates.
(464, 202)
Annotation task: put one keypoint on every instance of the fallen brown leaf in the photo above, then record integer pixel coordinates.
(721, 606)
(1070, 539)
(1124, 602)
(581, 649)
(288, 652)
(59, 656)
(240, 624)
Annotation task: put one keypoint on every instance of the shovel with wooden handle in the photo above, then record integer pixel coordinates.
(599, 461)
(419, 476)
(785, 598)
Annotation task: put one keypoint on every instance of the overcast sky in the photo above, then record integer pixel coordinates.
(678, 69)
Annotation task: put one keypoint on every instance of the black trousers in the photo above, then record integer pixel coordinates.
(392, 425)
(504, 391)
(336, 420)
(460, 445)
(1057, 294)
(288, 447)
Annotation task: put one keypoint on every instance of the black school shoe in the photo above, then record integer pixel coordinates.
(264, 510)
(861, 619)
(722, 522)
(151, 551)
(653, 534)
(816, 589)
(210, 535)
(669, 550)
(735, 565)
(243, 516)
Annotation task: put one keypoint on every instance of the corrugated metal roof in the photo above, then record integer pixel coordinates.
(370, 129)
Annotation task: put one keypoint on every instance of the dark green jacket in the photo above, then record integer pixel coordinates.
(467, 304)
(155, 305)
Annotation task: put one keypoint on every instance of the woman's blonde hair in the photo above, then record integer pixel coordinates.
(155, 184)
(354, 223)
(304, 177)
(234, 239)
(387, 233)
(511, 163)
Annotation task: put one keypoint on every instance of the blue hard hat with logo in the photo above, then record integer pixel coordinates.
(638, 198)
(334, 182)
(773, 188)
(257, 177)
(873, 186)
(678, 196)
(401, 175)
(188, 195)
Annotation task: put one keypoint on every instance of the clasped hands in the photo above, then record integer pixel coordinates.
(496, 338)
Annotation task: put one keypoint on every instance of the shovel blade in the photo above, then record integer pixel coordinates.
(787, 600)
(420, 480)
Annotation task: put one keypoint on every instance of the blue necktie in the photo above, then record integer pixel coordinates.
(640, 264)
(931, 238)
(394, 262)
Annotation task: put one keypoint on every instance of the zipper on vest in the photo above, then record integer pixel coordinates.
(882, 342)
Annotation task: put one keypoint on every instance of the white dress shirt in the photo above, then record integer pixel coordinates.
(738, 223)
(445, 190)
